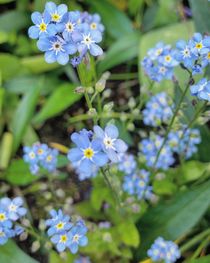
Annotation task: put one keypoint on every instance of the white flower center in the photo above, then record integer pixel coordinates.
(76, 238)
(186, 53)
(162, 70)
(12, 207)
(70, 27)
(32, 155)
(57, 47)
(109, 142)
(87, 40)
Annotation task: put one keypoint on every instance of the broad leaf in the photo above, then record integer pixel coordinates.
(9, 65)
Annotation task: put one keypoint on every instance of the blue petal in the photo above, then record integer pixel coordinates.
(55, 239)
(60, 247)
(85, 165)
(18, 201)
(71, 49)
(51, 29)
(197, 37)
(100, 159)
(83, 241)
(46, 17)
(181, 44)
(97, 36)
(43, 44)
(113, 156)
(112, 131)
(36, 18)
(98, 131)
(95, 50)
(50, 57)
(62, 9)
(120, 146)
(62, 58)
(75, 155)
(33, 32)
(50, 7)
(81, 141)
(74, 248)
(22, 211)
(82, 48)
(96, 145)
(206, 41)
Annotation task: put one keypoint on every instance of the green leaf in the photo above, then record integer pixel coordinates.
(11, 253)
(13, 21)
(61, 99)
(56, 258)
(201, 13)
(6, 1)
(164, 187)
(37, 64)
(5, 150)
(116, 22)
(9, 65)
(23, 114)
(200, 260)
(18, 173)
(129, 233)
(124, 49)
(174, 218)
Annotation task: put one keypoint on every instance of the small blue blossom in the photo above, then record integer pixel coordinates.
(158, 110)
(56, 12)
(42, 27)
(88, 154)
(62, 241)
(111, 145)
(94, 22)
(13, 207)
(127, 163)
(162, 250)
(40, 155)
(78, 238)
(82, 260)
(201, 89)
(199, 46)
(184, 54)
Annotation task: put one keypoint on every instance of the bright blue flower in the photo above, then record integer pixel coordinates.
(50, 161)
(56, 12)
(158, 110)
(13, 207)
(198, 45)
(59, 223)
(162, 250)
(78, 238)
(88, 153)
(42, 27)
(184, 54)
(201, 89)
(127, 163)
(62, 241)
(30, 155)
(56, 49)
(82, 175)
(111, 145)
(4, 218)
(5, 234)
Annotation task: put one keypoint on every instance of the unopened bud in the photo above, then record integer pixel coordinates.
(79, 90)
(92, 112)
(131, 126)
(100, 85)
(90, 90)
(109, 106)
(35, 246)
(23, 236)
(131, 103)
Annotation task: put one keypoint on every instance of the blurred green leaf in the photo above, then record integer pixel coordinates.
(37, 64)
(164, 187)
(23, 114)
(201, 14)
(13, 21)
(174, 218)
(124, 49)
(30, 136)
(116, 22)
(199, 260)
(129, 233)
(135, 5)
(56, 258)
(2, 91)
(63, 97)
(18, 173)
(11, 253)
(9, 65)
(3, 37)
(203, 149)
(5, 150)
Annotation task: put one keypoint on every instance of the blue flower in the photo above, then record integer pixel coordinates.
(13, 207)
(56, 49)
(4, 218)
(77, 237)
(29, 155)
(82, 260)
(88, 153)
(5, 234)
(112, 146)
(56, 12)
(59, 223)
(127, 163)
(184, 54)
(61, 240)
(158, 110)
(201, 89)
(162, 250)
(94, 22)
(198, 45)
(50, 161)
(42, 27)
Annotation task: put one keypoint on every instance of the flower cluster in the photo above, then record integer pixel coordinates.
(62, 34)
(127, 163)
(162, 250)
(201, 89)
(64, 234)
(150, 148)
(158, 110)
(10, 212)
(160, 62)
(94, 150)
(137, 184)
(194, 54)
(40, 155)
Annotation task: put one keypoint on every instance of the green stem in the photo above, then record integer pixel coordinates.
(199, 249)
(195, 240)
(111, 187)
(171, 124)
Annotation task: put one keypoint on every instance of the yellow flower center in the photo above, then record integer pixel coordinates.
(199, 45)
(60, 225)
(63, 238)
(2, 217)
(208, 55)
(93, 26)
(42, 27)
(55, 17)
(40, 151)
(168, 58)
(88, 153)
(32, 155)
(49, 158)
(2, 234)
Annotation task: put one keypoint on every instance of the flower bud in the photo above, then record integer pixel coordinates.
(79, 90)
